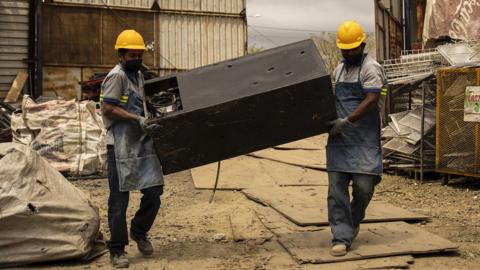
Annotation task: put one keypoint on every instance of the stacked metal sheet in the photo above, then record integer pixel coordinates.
(461, 54)
(5, 117)
(402, 139)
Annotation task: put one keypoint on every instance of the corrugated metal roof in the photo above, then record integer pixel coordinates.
(143, 4)
(188, 42)
(13, 41)
(217, 6)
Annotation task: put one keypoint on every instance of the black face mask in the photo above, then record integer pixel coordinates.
(133, 65)
(354, 59)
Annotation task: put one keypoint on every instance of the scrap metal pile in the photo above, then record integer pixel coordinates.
(91, 87)
(417, 65)
(413, 66)
(407, 76)
(402, 139)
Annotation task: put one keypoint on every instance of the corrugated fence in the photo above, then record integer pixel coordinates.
(79, 36)
(13, 41)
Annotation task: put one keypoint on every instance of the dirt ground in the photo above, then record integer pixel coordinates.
(185, 230)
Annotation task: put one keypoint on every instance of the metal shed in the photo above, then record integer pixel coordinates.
(70, 40)
(79, 36)
(14, 37)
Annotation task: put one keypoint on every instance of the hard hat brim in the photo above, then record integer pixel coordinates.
(131, 47)
(350, 46)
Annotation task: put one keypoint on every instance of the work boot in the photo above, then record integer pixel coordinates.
(338, 250)
(143, 244)
(119, 260)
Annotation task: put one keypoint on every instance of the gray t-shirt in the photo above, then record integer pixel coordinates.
(115, 89)
(372, 76)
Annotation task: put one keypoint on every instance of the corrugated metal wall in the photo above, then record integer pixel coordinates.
(13, 41)
(143, 4)
(86, 36)
(188, 41)
(186, 33)
(217, 6)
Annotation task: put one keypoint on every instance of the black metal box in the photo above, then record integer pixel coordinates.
(239, 106)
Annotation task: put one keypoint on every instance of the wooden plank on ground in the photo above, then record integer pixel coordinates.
(17, 86)
(307, 206)
(375, 240)
(246, 227)
(248, 172)
(313, 159)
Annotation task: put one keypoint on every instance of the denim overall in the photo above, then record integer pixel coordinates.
(357, 149)
(353, 155)
(137, 164)
(132, 165)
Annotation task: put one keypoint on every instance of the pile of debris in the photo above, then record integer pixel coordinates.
(418, 65)
(5, 119)
(403, 138)
(412, 80)
(92, 87)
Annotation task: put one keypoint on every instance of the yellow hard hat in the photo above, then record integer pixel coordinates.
(130, 39)
(350, 35)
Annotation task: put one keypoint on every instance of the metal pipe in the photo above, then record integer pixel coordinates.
(422, 131)
(407, 22)
(31, 47)
(39, 48)
(410, 100)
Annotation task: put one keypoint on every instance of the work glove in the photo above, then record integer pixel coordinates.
(141, 121)
(339, 125)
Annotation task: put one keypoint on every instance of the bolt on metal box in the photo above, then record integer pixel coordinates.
(239, 106)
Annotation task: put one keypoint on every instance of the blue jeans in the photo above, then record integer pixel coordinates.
(117, 209)
(345, 215)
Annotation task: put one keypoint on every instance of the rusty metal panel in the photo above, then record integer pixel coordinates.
(86, 37)
(61, 82)
(71, 35)
(142, 22)
(189, 41)
(87, 73)
(395, 41)
(216, 6)
(389, 29)
(142, 4)
(13, 41)
(397, 10)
